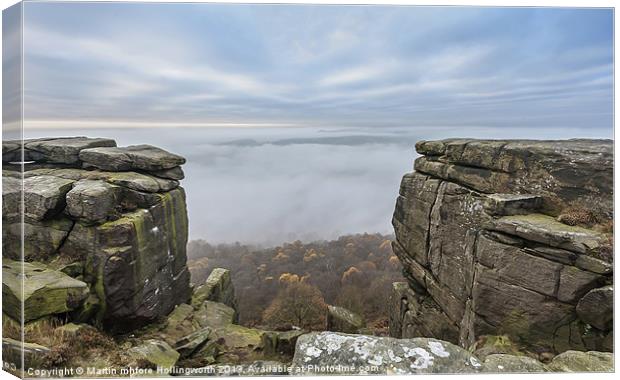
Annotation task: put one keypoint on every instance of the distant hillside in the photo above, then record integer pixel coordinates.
(355, 271)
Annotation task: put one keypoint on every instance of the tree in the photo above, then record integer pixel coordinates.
(299, 304)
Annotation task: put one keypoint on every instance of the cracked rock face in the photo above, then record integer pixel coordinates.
(484, 253)
(122, 230)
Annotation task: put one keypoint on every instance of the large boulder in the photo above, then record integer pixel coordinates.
(135, 157)
(343, 320)
(174, 173)
(578, 361)
(215, 314)
(189, 344)
(11, 197)
(41, 239)
(217, 288)
(318, 353)
(154, 352)
(44, 196)
(499, 363)
(597, 307)
(39, 290)
(92, 201)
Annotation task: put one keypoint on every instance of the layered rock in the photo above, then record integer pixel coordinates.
(112, 217)
(217, 288)
(483, 251)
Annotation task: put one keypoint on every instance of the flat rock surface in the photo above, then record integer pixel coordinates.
(545, 229)
(504, 154)
(155, 352)
(45, 291)
(501, 363)
(362, 354)
(578, 361)
(135, 157)
(61, 150)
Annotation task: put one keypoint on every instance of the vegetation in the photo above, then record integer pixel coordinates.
(291, 284)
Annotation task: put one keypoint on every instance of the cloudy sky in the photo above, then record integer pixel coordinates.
(207, 64)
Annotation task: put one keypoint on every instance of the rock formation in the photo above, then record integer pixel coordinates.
(104, 230)
(320, 353)
(507, 237)
(343, 320)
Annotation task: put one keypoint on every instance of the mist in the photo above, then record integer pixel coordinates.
(267, 186)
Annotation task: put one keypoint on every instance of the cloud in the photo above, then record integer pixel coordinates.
(318, 66)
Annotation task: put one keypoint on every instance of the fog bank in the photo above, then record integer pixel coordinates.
(271, 185)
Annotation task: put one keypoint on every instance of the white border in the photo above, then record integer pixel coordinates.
(485, 3)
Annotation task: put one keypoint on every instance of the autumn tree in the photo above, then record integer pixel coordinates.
(299, 304)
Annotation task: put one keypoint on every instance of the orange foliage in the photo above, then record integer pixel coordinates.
(288, 278)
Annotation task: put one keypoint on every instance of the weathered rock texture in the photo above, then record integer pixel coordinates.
(477, 233)
(343, 320)
(113, 218)
(327, 353)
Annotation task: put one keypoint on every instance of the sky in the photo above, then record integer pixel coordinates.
(332, 66)
(298, 122)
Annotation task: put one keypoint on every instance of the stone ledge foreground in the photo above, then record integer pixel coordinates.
(328, 353)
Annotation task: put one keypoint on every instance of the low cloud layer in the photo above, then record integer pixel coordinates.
(318, 65)
(317, 185)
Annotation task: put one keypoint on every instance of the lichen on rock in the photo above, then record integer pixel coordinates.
(123, 230)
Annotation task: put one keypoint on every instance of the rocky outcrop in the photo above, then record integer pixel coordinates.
(343, 320)
(487, 250)
(206, 331)
(113, 218)
(217, 288)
